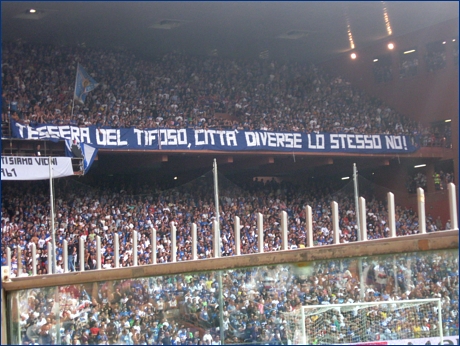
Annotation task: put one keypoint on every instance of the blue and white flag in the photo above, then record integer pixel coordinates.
(81, 150)
(83, 85)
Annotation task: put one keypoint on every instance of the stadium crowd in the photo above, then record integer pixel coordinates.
(178, 91)
(84, 211)
(258, 305)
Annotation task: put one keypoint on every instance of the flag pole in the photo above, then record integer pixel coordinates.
(74, 90)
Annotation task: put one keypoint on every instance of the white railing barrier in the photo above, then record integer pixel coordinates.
(216, 240)
(284, 231)
(153, 241)
(173, 242)
(50, 258)
(98, 252)
(116, 250)
(335, 222)
(65, 256)
(421, 210)
(82, 254)
(34, 259)
(260, 232)
(309, 226)
(453, 206)
(134, 235)
(9, 259)
(194, 242)
(237, 229)
(362, 219)
(391, 214)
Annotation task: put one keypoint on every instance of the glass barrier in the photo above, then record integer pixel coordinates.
(270, 305)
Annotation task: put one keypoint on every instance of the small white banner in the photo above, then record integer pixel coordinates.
(35, 168)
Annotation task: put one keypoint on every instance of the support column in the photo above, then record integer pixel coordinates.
(82, 254)
(335, 222)
(284, 231)
(98, 252)
(421, 210)
(116, 250)
(153, 242)
(260, 232)
(34, 259)
(65, 256)
(391, 214)
(236, 228)
(362, 219)
(309, 226)
(173, 243)
(134, 248)
(194, 242)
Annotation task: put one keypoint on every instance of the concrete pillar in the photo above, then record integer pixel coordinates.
(134, 248)
(82, 254)
(65, 256)
(391, 214)
(116, 250)
(34, 259)
(216, 240)
(421, 210)
(260, 232)
(309, 226)
(362, 219)
(236, 228)
(98, 252)
(153, 241)
(173, 242)
(284, 231)
(335, 222)
(453, 206)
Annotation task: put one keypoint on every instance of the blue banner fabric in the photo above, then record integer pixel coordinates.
(219, 140)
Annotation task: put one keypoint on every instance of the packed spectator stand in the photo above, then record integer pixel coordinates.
(178, 91)
(183, 309)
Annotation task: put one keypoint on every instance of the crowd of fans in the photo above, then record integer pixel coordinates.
(85, 212)
(435, 60)
(258, 305)
(178, 91)
(415, 181)
(408, 68)
(440, 178)
(382, 73)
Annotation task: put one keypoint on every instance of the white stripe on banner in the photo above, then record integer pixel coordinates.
(35, 168)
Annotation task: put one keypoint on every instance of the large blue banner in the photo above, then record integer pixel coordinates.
(220, 140)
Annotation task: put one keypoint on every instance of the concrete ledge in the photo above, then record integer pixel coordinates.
(443, 240)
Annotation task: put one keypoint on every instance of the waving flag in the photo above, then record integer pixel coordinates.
(81, 150)
(83, 85)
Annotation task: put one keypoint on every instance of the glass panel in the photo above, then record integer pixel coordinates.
(260, 304)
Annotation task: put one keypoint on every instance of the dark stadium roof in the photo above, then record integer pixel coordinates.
(311, 31)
